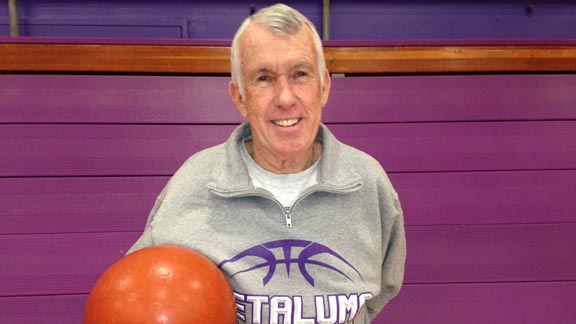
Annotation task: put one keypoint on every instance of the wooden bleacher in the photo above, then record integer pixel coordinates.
(479, 140)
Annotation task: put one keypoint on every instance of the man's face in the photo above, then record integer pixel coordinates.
(283, 98)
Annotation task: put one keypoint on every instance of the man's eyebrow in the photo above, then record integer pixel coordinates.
(264, 69)
(261, 70)
(306, 65)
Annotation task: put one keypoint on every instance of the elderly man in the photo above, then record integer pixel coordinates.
(307, 229)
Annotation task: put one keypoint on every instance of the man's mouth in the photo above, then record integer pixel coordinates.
(286, 122)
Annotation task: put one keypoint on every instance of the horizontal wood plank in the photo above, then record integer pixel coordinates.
(451, 59)
(513, 232)
(438, 147)
(117, 204)
(56, 309)
(451, 98)
(74, 150)
(164, 59)
(487, 197)
(205, 100)
(90, 150)
(517, 303)
(115, 99)
(491, 253)
(70, 263)
(172, 59)
(49, 264)
(76, 205)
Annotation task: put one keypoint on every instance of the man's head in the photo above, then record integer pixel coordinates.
(279, 84)
(280, 19)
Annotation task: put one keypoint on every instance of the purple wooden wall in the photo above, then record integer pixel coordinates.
(365, 19)
(485, 166)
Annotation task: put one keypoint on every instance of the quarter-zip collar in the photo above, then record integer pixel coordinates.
(231, 179)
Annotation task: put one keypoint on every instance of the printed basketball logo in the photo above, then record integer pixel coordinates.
(299, 253)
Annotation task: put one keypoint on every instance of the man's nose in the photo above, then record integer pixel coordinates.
(285, 95)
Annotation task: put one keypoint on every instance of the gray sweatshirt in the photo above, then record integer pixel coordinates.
(341, 260)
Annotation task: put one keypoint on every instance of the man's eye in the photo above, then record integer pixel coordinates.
(301, 74)
(263, 78)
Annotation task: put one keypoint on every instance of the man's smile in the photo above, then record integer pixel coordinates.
(286, 122)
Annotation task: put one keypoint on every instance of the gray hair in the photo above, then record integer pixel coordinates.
(282, 20)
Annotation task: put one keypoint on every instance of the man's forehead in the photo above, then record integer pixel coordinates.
(271, 55)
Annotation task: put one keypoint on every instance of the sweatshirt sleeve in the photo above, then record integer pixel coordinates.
(394, 247)
(146, 240)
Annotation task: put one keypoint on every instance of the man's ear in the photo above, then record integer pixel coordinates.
(326, 87)
(237, 98)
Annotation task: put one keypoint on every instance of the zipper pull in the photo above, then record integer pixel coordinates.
(288, 216)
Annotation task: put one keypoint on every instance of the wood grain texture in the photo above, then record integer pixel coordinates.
(76, 205)
(491, 253)
(450, 59)
(52, 264)
(55, 309)
(484, 165)
(119, 204)
(526, 303)
(116, 99)
(114, 58)
(48, 264)
(134, 150)
(205, 100)
(74, 150)
(439, 147)
(171, 59)
(476, 198)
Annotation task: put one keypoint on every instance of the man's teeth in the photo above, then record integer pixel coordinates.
(286, 122)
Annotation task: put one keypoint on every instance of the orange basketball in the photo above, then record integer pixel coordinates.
(162, 284)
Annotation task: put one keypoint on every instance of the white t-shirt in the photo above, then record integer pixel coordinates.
(285, 187)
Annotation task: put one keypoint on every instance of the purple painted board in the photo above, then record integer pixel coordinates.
(516, 303)
(76, 26)
(491, 253)
(75, 150)
(116, 204)
(81, 205)
(487, 197)
(78, 150)
(465, 146)
(216, 19)
(451, 98)
(70, 263)
(47, 264)
(199, 100)
(505, 303)
(56, 309)
(115, 99)
(451, 20)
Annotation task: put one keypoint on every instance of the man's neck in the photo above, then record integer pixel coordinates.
(285, 165)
